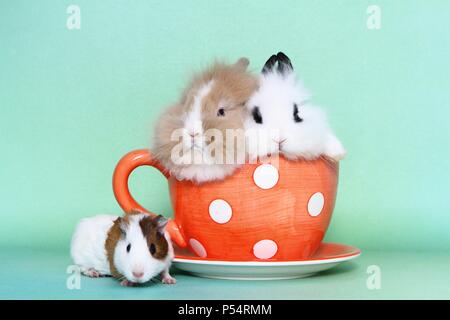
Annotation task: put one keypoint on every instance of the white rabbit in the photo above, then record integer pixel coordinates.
(281, 120)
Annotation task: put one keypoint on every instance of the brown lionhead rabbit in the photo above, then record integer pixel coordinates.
(201, 137)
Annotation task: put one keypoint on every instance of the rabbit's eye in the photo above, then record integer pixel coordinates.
(152, 248)
(257, 115)
(221, 112)
(129, 247)
(296, 116)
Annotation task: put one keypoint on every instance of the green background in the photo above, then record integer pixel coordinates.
(72, 102)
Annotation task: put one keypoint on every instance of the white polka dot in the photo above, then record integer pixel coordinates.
(315, 204)
(198, 248)
(220, 211)
(265, 249)
(266, 176)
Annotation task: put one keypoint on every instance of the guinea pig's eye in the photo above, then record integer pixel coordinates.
(152, 249)
(129, 247)
(257, 115)
(296, 116)
(221, 112)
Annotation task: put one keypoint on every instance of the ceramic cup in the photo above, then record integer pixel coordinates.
(262, 212)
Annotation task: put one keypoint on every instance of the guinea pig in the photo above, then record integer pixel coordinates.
(201, 138)
(134, 248)
(281, 120)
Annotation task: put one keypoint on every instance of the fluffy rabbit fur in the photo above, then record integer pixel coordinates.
(214, 99)
(281, 120)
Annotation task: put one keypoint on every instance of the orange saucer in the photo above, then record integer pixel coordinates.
(326, 257)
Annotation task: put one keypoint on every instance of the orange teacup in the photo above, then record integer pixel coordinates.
(262, 212)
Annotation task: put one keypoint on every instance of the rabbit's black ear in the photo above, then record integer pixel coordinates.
(270, 63)
(284, 63)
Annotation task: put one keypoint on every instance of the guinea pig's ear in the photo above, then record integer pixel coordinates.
(136, 211)
(284, 63)
(242, 64)
(270, 63)
(122, 227)
(161, 223)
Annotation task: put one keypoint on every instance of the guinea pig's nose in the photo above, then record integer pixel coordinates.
(138, 274)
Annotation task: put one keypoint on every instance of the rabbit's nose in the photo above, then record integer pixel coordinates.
(280, 141)
(194, 134)
(138, 274)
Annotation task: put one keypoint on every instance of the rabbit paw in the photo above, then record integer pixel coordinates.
(334, 149)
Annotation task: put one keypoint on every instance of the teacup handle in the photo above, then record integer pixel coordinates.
(124, 168)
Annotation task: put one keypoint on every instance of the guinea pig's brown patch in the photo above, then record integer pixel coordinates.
(114, 235)
(155, 237)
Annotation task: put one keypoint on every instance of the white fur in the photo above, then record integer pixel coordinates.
(88, 249)
(204, 173)
(88, 243)
(195, 147)
(193, 123)
(308, 139)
